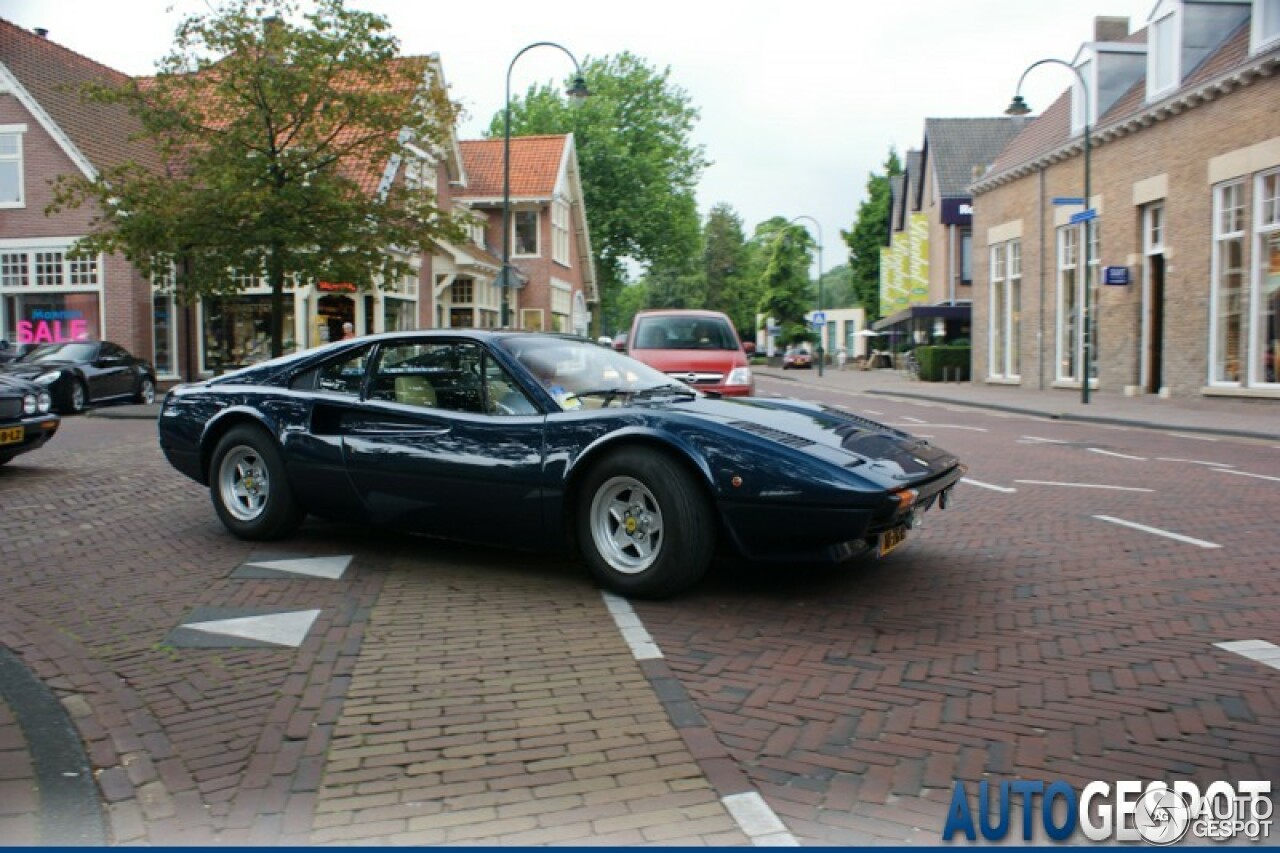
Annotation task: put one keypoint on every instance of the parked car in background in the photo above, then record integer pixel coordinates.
(11, 351)
(26, 421)
(78, 374)
(620, 342)
(797, 358)
(699, 348)
(547, 442)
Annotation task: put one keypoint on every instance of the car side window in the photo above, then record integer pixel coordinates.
(503, 396)
(344, 375)
(430, 374)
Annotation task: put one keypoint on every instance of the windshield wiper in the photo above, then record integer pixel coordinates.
(671, 389)
(607, 393)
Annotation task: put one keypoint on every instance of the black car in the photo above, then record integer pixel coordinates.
(80, 373)
(11, 352)
(25, 419)
(540, 441)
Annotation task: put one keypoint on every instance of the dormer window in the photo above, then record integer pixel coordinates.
(1163, 71)
(1266, 25)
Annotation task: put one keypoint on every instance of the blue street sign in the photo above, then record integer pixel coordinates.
(1067, 200)
(1084, 216)
(1115, 275)
(819, 318)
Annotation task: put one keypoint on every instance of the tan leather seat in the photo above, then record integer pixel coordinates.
(415, 391)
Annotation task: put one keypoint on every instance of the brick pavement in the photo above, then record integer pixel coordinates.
(457, 695)
(19, 793)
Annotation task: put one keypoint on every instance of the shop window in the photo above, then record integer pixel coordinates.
(1228, 284)
(237, 331)
(52, 317)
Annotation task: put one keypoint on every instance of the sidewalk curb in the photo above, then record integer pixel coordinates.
(1072, 417)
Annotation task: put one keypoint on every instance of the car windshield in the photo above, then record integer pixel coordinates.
(61, 352)
(574, 370)
(684, 332)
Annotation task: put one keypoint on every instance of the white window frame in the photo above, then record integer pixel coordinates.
(18, 131)
(1067, 254)
(66, 268)
(1221, 236)
(1082, 95)
(537, 233)
(560, 233)
(1266, 219)
(1157, 88)
(1154, 223)
(1265, 31)
(1005, 324)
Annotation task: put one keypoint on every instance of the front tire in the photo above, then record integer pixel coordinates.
(644, 525)
(77, 398)
(249, 487)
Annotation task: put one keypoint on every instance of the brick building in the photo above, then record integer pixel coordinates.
(46, 130)
(1185, 184)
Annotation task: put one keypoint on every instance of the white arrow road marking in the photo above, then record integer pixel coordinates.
(1196, 437)
(1084, 486)
(1045, 440)
(1158, 532)
(317, 567)
(758, 821)
(284, 629)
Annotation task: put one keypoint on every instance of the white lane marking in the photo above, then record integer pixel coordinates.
(873, 412)
(1117, 455)
(958, 426)
(1158, 532)
(983, 485)
(748, 809)
(1045, 440)
(1196, 437)
(633, 631)
(1083, 485)
(1259, 651)
(1194, 462)
(913, 420)
(1247, 474)
(760, 823)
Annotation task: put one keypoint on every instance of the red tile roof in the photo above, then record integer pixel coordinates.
(54, 75)
(535, 166)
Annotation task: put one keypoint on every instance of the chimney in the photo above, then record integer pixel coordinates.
(1110, 29)
(42, 32)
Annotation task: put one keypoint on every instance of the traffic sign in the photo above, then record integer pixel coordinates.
(1068, 200)
(819, 318)
(1084, 216)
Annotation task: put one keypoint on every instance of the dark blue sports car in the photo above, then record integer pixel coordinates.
(540, 441)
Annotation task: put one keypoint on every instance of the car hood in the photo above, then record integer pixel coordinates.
(696, 360)
(31, 371)
(840, 437)
(11, 384)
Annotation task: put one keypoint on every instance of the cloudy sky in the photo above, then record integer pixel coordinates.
(800, 100)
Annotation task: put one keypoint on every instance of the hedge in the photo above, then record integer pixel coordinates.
(938, 364)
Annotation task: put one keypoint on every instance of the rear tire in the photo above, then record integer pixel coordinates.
(77, 398)
(146, 393)
(645, 527)
(249, 487)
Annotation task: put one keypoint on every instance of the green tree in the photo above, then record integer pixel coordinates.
(631, 298)
(639, 165)
(787, 291)
(271, 136)
(726, 262)
(837, 287)
(675, 285)
(868, 236)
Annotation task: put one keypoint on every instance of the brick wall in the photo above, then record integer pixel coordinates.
(1180, 147)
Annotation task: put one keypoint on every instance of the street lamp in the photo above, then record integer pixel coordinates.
(1018, 107)
(577, 91)
(821, 329)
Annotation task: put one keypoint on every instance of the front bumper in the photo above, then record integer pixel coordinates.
(35, 431)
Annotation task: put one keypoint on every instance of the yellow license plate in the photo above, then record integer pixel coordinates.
(892, 538)
(12, 435)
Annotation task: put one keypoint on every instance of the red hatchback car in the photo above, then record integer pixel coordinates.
(699, 348)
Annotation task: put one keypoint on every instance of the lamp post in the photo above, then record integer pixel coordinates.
(1018, 107)
(577, 91)
(822, 329)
